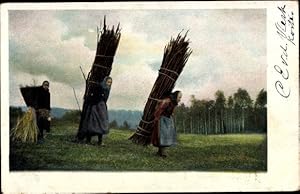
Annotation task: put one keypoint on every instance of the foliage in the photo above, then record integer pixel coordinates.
(242, 99)
(261, 100)
(113, 124)
(71, 117)
(125, 125)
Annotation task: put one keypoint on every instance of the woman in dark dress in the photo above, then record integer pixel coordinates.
(95, 121)
(42, 108)
(164, 132)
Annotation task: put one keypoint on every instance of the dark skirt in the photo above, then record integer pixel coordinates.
(42, 116)
(95, 121)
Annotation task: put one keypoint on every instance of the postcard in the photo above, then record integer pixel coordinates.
(150, 97)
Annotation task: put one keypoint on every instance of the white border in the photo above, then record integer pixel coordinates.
(283, 117)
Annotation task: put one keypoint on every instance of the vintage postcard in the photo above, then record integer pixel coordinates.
(150, 97)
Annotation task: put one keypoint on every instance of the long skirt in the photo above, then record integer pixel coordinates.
(95, 121)
(42, 121)
(167, 132)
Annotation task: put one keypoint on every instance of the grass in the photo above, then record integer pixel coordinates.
(231, 152)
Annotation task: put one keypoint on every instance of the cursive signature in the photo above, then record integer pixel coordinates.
(285, 30)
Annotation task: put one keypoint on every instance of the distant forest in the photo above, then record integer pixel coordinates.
(236, 114)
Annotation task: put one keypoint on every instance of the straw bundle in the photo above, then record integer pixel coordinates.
(176, 54)
(26, 129)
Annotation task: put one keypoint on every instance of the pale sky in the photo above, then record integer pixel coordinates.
(229, 51)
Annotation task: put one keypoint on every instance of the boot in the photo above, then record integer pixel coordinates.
(100, 143)
(40, 139)
(162, 152)
(88, 139)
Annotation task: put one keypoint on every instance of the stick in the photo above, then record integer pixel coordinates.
(82, 74)
(76, 99)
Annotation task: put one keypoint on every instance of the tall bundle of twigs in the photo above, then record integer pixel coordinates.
(107, 44)
(176, 54)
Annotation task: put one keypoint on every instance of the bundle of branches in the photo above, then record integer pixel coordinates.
(107, 44)
(176, 54)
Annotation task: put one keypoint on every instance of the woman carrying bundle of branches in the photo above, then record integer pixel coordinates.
(94, 116)
(164, 132)
(95, 120)
(176, 54)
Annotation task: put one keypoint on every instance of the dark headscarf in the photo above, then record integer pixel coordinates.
(45, 82)
(168, 111)
(105, 88)
(173, 97)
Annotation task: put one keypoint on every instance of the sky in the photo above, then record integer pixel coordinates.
(228, 52)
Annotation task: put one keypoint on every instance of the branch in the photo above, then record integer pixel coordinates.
(82, 74)
(76, 99)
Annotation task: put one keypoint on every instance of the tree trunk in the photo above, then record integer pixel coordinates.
(205, 124)
(243, 120)
(240, 123)
(209, 120)
(199, 127)
(231, 121)
(221, 122)
(216, 123)
(191, 125)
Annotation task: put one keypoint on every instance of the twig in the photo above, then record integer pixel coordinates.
(82, 74)
(76, 99)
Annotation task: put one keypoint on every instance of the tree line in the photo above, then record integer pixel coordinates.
(74, 117)
(69, 117)
(236, 114)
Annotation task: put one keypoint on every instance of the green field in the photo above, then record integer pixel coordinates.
(234, 152)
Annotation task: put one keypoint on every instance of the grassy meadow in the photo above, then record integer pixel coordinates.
(230, 152)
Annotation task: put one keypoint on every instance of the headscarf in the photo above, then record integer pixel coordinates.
(45, 82)
(173, 97)
(103, 83)
(105, 88)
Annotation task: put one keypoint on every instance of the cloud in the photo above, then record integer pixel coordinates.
(225, 43)
(37, 48)
(229, 49)
(132, 83)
